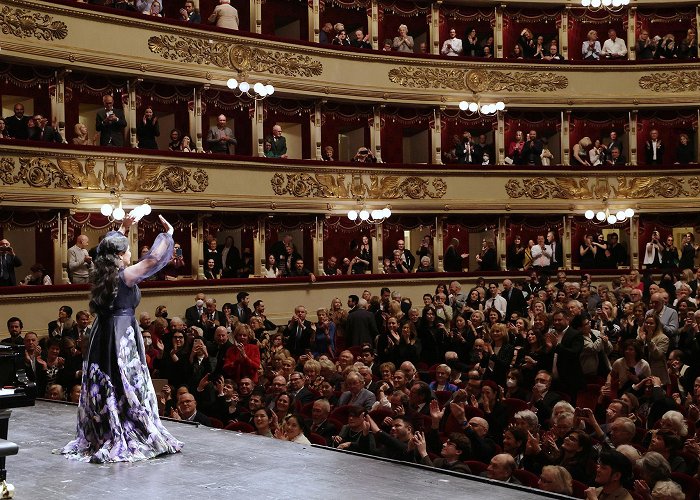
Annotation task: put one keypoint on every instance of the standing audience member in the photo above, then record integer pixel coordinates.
(278, 144)
(224, 15)
(110, 123)
(220, 139)
(8, 262)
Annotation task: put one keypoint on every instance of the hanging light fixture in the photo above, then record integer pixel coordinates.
(117, 213)
(605, 215)
(609, 5)
(361, 214)
(257, 91)
(482, 108)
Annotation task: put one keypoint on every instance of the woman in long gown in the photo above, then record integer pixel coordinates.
(118, 411)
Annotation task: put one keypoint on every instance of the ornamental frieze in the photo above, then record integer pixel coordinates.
(27, 24)
(677, 81)
(477, 80)
(542, 188)
(378, 187)
(234, 56)
(77, 174)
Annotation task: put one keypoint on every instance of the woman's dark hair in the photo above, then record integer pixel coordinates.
(488, 312)
(637, 348)
(300, 420)
(520, 436)
(105, 273)
(444, 287)
(267, 411)
(67, 309)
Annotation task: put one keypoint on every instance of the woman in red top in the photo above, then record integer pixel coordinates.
(243, 358)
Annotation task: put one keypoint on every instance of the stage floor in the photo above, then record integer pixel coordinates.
(216, 464)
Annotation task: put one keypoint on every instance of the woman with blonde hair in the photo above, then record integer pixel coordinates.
(556, 479)
(403, 42)
(579, 155)
(81, 135)
(591, 47)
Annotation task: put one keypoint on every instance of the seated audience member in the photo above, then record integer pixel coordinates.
(187, 410)
(652, 469)
(189, 13)
(175, 140)
(351, 433)
(364, 155)
(386, 46)
(341, 39)
(264, 422)
(44, 132)
(556, 479)
(293, 429)
(37, 276)
(328, 154)
(452, 453)
(452, 46)
(224, 15)
(645, 46)
(553, 54)
(616, 158)
(614, 47)
(361, 40)
(579, 154)
(591, 47)
(319, 423)
(356, 393)
(614, 470)
(81, 136)
(501, 468)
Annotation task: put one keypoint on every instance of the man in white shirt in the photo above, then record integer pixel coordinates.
(496, 301)
(452, 46)
(614, 48)
(541, 254)
(79, 262)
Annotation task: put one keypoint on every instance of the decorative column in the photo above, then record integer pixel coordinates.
(133, 238)
(258, 129)
(131, 117)
(318, 247)
(194, 109)
(501, 240)
(631, 35)
(498, 33)
(434, 28)
(256, 16)
(316, 138)
(259, 246)
(439, 243)
(314, 20)
(564, 137)
(377, 249)
(634, 241)
(58, 105)
(566, 242)
(376, 134)
(697, 139)
(60, 250)
(373, 24)
(499, 138)
(564, 32)
(436, 136)
(632, 137)
(197, 249)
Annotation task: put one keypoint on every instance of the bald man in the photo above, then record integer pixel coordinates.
(79, 262)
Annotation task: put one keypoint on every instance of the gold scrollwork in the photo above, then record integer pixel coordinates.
(74, 174)
(234, 56)
(478, 80)
(26, 24)
(678, 81)
(541, 188)
(379, 187)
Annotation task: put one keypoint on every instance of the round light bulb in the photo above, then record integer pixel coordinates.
(232, 83)
(473, 107)
(595, 3)
(589, 214)
(387, 212)
(463, 105)
(258, 88)
(625, 2)
(244, 86)
(621, 215)
(585, 3)
(352, 215)
(612, 219)
(607, 3)
(364, 215)
(263, 91)
(483, 109)
(500, 105)
(376, 214)
(629, 213)
(269, 89)
(106, 209)
(118, 213)
(600, 216)
(146, 209)
(617, 3)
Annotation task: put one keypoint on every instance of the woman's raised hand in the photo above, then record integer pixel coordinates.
(166, 225)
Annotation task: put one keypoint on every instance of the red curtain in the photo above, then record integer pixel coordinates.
(580, 227)
(398, 123)
(597, 125)
(278, 13)
(581, 21)
(413, 15)
(290, 111)
(670, 124)
(663, 21)
(540, 21)
(546, 124)
(529, 227)
(352, 18)
(338, 119)
(338, 234)
(463, 19)
(278, 226)
(455, 123)
(226, 221)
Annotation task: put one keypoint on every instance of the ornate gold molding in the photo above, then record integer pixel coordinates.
(542, 188)
(678, 81)
(478, 80)
(234, 56)
(41, 172)
(26, 24)
(335, 186)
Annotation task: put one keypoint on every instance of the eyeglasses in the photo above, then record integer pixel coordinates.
(178, 337)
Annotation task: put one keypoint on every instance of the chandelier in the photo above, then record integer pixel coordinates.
(257, 92)
(605, 215)
(117, 213)
(482, 108)
(610, 5)
(361, 214)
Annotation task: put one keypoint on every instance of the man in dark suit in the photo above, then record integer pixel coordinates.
(297, 389)
(406, 255)
(557, 251)
(212, 252)
(615, 143)
(298, 332)
(44, 132)
(532, 151)
(110, 123)
(319, 423)
(543, 398)
(217, 349)
(193, 314)
(211, 318)
(278, 143)
(241, 309)
(187, 410)
(8, 262)
(468, 151)
(17, 124)
(568, 345)
(695, 284)
(361, 326)
(654, 149)
(515, 298)
(230, 259)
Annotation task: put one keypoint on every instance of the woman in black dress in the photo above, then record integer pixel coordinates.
(147, 130)
(587, 251)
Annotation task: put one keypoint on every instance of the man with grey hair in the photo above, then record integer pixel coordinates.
(224, 15)
(79, 261)
(220, 139)
(356, 393)
(456, 298)
(361, 326)
(667, 316)
(501, 468)
(515, 300)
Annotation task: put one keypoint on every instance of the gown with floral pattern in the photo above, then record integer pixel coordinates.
(118, 411)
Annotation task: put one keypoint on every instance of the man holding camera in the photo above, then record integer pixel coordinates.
(110, 123)
(8, 262)
(364, 155)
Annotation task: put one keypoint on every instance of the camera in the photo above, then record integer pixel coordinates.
(178, 252)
